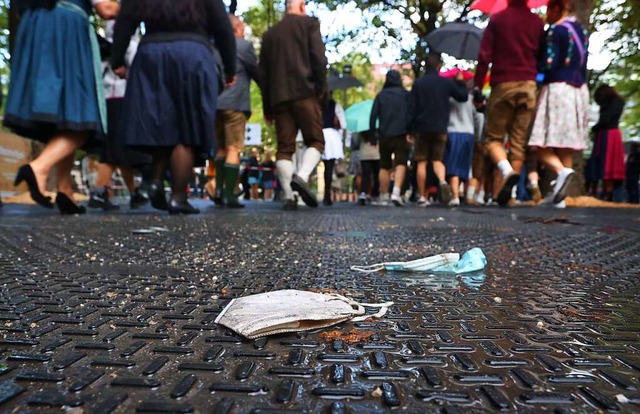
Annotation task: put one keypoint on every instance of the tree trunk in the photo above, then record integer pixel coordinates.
(583, 9)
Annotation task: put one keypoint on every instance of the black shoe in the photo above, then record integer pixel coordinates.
(101, 200)
(327, 202)
(25, 173)
(182, 207)
(299, 185)
(233, 203)
(157, 197)
(138, 199)
(290, 205)
(67, 206)
(217, 198)
(505, 192)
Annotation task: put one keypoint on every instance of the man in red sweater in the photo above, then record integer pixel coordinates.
(511, 44)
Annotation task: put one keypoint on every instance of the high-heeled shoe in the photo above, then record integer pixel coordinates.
(67, 206)
(182, 207)
(157, 197)
(25, 173)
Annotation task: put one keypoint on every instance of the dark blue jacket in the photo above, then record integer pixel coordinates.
(564, 58)
(428, 109)
(389, 109)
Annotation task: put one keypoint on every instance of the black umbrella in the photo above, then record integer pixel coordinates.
(342, 82)
(460, 40)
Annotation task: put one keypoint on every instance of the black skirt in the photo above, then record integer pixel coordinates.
(114, 150)
(171, 97)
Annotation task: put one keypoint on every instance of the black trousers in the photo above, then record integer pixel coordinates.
(370, 170)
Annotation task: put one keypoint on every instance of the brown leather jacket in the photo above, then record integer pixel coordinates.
(293, 64)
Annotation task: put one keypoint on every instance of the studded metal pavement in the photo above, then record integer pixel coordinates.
(115, 313)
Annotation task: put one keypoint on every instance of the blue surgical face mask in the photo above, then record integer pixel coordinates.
(425, 264)
(472, 261)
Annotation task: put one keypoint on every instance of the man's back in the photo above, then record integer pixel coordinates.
(511, 43)
(292, 60)
(237, 97)
(429, 102)
(390, 108)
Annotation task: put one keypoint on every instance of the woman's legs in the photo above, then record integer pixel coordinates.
(127, 177)
(182, 160)
(60, 147)
(63, 175)
(105, 171)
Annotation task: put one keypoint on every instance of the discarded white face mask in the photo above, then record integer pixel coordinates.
(291, 311)
(425, 264)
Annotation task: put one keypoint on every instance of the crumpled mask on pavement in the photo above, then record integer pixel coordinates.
(425, 264)
(291, 311)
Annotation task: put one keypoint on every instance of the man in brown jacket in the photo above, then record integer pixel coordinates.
(293, 70)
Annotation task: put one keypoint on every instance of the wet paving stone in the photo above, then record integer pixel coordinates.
(98, 316)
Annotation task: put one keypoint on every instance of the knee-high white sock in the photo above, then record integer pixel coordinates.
(284, 170)
(505, 167)
(310, 160)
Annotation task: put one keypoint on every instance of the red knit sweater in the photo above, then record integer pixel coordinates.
(511, 43)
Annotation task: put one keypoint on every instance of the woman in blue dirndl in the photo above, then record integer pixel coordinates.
(55, 92)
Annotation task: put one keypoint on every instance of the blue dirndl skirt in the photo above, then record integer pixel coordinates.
(53, 86)
(171, 97)
(459, 154)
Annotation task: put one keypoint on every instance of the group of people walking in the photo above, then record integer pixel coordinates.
(542, 126)
(192, 70)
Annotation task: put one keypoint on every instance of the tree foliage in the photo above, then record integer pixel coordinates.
(422, 16)
(622, 18)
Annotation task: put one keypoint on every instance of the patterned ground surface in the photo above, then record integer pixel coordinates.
(115, 313)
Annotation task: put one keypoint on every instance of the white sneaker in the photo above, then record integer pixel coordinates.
(423, 202)
(397, 200)
(561, 204)
(454, 202)
(548, 202)
(564, 180)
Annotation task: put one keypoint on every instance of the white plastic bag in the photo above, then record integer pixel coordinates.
(291, 311)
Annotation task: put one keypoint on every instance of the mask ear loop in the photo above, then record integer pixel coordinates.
(384, 307)
(369, 269)
(359, 308)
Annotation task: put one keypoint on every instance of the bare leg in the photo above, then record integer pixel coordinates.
(549, 158)
(496, 152)
(127, 176)
(421, 175)
(105, 171)
(232, 155)
(384, 178)
(400, 173)
(439, 170)
(63, 173)
(566, 156)
(517, 166)
(454, 182)
(61, 146)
